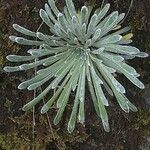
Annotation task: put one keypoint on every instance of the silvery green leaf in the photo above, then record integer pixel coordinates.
(120, 17)
(122, 101)
(77, 70)
(95, 76)
(96, 36)
(49, 12)
(24, 41)
(118, 67)
(71, 36)
(39, 83)
(88, 70)
(23, 30)
(13, 38)
(88, 43)
(49, 63)
(68, 63)
(97, 60)
(108, 89)
(131, 106)
(109, 20)
(98, 51)
(57, 67)
(12, 69)
(141, 55)
(125, 42)
(53, 7)
(63, 99)
(134, 80)
(119, 32)
(44, 16)
(94, 99)
(91, 26)
(99, 91)
(116, 27)
(103, 12)
(61, 75)
(113, 57)
(35, 79)
(110, 69)
(76, 41)
(100, 100)
(104, 117)
(48, 60)
(116, 84)
(56, 57)
(52, 66)
(84, 15)
(71, 7)
(46, 46)
(36, 100)
(76, 29)
(18, 58)
(59, 31)
(32, 65)
(97, 11)
(117, 93)
(121, 49)
(137, 75)
(73, 117)
(47, 106)
(113, 81)
(108, 40)
(67, 15)
(60, 44)
(128, 68)
(83, 30)
(110, 23)
(81, 115)
(59, 70)
(126, 29)
(106, 86)
(82, 85)
(90, 9)
(40, 52)
(128, 57)
(68, 66)
(59, 78)
(62, 21)
(45, 39)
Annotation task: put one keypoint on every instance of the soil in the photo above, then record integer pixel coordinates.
(128, 131)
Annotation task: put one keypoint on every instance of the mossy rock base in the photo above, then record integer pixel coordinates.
(128, 131)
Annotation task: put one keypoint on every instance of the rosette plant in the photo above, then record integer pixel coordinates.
(84, 47)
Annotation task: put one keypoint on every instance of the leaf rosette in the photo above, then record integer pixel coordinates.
(85, 47)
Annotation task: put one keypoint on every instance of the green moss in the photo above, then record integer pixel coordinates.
(20, 135)
(11, 141)
(1, 59)
(141, 122)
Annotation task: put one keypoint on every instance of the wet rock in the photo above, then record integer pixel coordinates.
(146, 95)
(145, 145)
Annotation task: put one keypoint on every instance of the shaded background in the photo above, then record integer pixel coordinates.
(128, 131)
